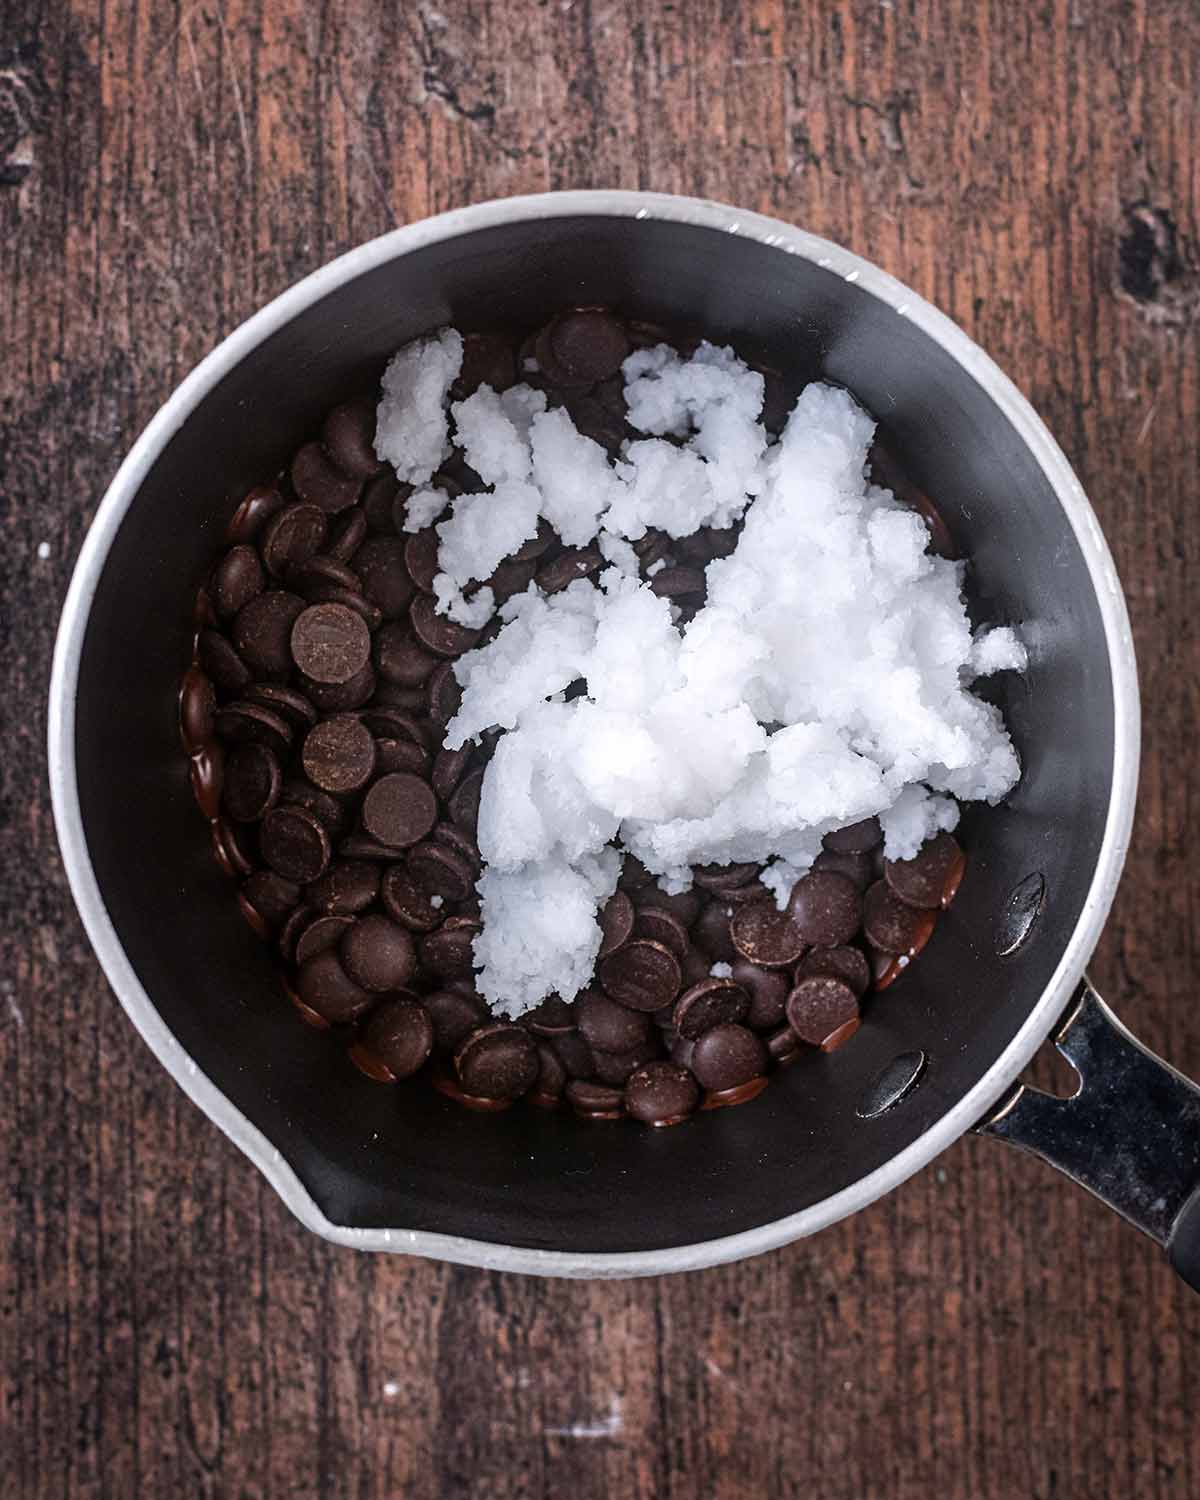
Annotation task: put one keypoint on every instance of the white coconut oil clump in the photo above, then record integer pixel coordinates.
(825, 680)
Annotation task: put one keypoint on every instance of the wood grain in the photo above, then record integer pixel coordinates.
(986, 1332)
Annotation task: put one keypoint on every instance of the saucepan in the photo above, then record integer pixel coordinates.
(404, 1169)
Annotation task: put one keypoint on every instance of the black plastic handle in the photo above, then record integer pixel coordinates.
(1130, 1135)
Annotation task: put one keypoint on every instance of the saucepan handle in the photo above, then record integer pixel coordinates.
(1130, 1135)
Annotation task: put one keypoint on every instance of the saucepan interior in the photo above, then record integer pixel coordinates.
(406, 1159)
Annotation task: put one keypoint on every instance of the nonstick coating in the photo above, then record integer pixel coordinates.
(404, 1156)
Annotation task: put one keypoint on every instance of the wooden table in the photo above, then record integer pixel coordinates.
(166, 1329)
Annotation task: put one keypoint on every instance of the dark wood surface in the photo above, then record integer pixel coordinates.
(166, 1329)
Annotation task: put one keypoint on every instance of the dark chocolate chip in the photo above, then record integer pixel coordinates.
(252, 782)
(229, 673)
(321, 804)
(238, 578)
(575, 1054)
(712, 1002)
(272, 896)
(768, 991)
(300, 918)
(325, 987)
(923, 881)
(295, 843)
(537, 545)
(322, 591)
(455, 1013)
(346, 535)
(589, 344)
(511, 577)
(551, 1079)
(642, 975)
(339, 755)
(230, 849)
(784, 1046)
(399, 810)
(262, 632)
(570, 564)
(349, 437)
(242, 722)
(553, 1017)
(314, 575)
(441, 871)
(892, 925)
(720, 878)
(449, 768)
(661, 926)
(438, 633)
(362, 846)
(421, 557)
(330, 643)
(616, 920)
(378, 954)
(595, 1101)
(849, 964)
(499, 1061)
(859, 869)
(197, 708)
(340, 697)
(445, 694)
(206, 773)
(727, 1056)
(826, 908)
(260, 504)
(711, 931)
(379, 563)
(395, 723)
(449, 951)
(686, 905)
(855, 838)
(399, 1034)
(463, 805)
(294, 534)
(819, 1005)
(321, 932)
(661, 1093)
(383, 501)
(488, 359)
(677, 583)
(284, 701)
(765, 935)
(347, 887)
(401, 755)
(400, 658)
(615, 1067)
(319, 481)
(608, 1026)
(407, 903)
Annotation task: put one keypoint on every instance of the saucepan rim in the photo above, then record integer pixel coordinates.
(720, 218)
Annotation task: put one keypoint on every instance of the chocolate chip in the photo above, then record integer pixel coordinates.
(314, 575)
(399, 1034)
(295, 844)
(323, 591)
(923, 881)
(318, 480)
(330, 643)
(407, 903)
(661, 926)
(616, 923)
(449, 767)
(445, 694)
(614, 1068)
(720, 878)
(421, 558)
(570, 564)
(206, 772)
(321, 932)
(595, 1101)
(551, 1079)
(242, 722)
(347, 887)
(438, 633)
(238, 578)
(401, 755)
(346, 535)
(783, 1046)
(499, 1061)
(509, 578)
(324, 985)
(765, 935)
(378, 954)
(362, 846)
(232, 854)
(819, 1005)
(642, 975)
(488, 359)
(463, 805)
(340, 697)
(553, 1017)
(890, 924)
(711, 931)
(300, 918)
(727, 1056)
(284, 701)
(855, 838)
(272, 896)
(768, 991)
(349, 437)
(608, 1026)
(407, 700)
(575, 1054)
(400, 658)
(449, 951)
(455, 1014)
(537, 545)
(695, 966)
(740, 1093)
(339, 755)
(677, 583)
(197, 708)
(262, 632)
(399, 810)
(252, 782)
(848, 964)
(661, 1093)
(859, 869)
(712, 1002)
(826, 908)
(294, 534)
(686, 905)
(440, 871)
(319, 803)
(221, 663)
(379, 563)
(589, 344)
(382, 501)
(394, 723)
(596, 421)
(260, 504)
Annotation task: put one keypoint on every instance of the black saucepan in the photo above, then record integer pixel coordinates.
(405, 1169)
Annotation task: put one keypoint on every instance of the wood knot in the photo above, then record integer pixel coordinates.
(1153, 268)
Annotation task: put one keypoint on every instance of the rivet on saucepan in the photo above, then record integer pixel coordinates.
(1021, 911)
(891, 1084)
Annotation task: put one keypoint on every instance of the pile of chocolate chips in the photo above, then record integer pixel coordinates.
(314, 713)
